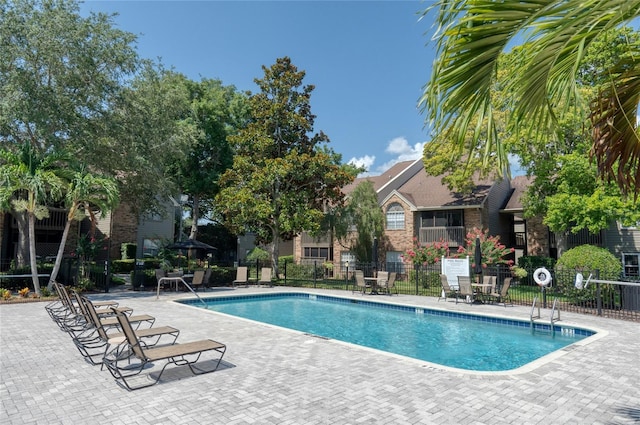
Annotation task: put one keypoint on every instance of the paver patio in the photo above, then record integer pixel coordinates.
(277, 376)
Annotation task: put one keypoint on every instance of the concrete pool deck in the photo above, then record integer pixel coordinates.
(276, 376)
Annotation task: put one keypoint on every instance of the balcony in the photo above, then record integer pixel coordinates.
(454, 235)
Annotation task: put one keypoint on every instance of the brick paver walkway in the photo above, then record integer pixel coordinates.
(276, 376)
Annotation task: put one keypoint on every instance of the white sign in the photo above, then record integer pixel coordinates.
(454, 267)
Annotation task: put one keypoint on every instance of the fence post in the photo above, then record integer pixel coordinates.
(315, 264)
(285, 271)
(598, 294)
(415, 268)
(107, 276)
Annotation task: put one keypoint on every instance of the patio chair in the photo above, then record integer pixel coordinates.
(95, 345)
(179, 354)
(265, 276)
(198, 279)
(465, 290)
(71, 318)
(207, 278)
(503, 295)
(108, 319)
(382, 282)
(447, 290)
(160, 273)
(361, 284)
(391, 283)
(242, 276)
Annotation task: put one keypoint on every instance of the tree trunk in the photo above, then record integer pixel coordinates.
(22, 254)
(275, 253)
(561, 243)
(63, 242)
(195, 213)
(32, 254)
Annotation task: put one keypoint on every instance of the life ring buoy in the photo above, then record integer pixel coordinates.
(542, 276)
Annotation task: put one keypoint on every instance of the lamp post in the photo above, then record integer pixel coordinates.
(346, 263)
(183, 199)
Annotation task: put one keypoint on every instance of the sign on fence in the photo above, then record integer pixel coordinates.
(454, 267)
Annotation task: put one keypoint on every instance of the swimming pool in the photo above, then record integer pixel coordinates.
(453, 339)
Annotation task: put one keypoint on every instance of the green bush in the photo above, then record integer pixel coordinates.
(258, 254)
(590, 258)
(426, 279)
(587, 259)
(284, 259)
(222, 276)
(123, 266)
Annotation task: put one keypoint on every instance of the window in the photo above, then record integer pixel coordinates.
(442, 219)
(394, 262)
(318, 252)
(631, 264)
(395, 217)
(150, 247)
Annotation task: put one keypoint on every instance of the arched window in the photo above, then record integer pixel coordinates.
(395, 217)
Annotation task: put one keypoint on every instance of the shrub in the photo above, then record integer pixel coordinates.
(284, 259)
(122, 266)
(258, 254)
(591, 258)
(23, 292)
(5, 294)
(588, 259)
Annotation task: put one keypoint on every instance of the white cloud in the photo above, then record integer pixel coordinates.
(365, 162)
(400, 147)
(402, 151)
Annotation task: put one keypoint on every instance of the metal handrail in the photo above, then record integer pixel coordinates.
(162, 279)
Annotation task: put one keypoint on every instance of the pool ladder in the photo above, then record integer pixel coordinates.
(167, 279)
(552, 318)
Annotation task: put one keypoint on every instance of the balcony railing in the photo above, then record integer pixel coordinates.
(454, 236)
(56, 220)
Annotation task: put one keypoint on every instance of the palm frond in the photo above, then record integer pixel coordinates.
(616, 145)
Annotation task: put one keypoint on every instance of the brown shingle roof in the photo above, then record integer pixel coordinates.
(428, 192)
(519, 185)
(381, 180)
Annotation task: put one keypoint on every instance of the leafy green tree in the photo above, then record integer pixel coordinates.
(472, 37)
(29, 181)
(67, 84)
(151, 127)
(362, 220)
(216, 111)
(282, 176)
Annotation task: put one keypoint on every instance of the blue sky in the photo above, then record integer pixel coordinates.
(368, 60)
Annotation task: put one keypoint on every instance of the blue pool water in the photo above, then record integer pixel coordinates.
(448, 338)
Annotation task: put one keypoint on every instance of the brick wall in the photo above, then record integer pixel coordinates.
(124, 229)
(537, 237)
(474, 217)
(402, 239)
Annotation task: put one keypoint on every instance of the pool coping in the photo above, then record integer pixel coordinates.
(598, 333)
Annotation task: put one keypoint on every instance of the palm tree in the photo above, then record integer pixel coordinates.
(86, 194)
(473, 34)
(28, 181)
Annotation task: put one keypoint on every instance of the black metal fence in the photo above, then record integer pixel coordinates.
(619, 299)
(615, 299)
